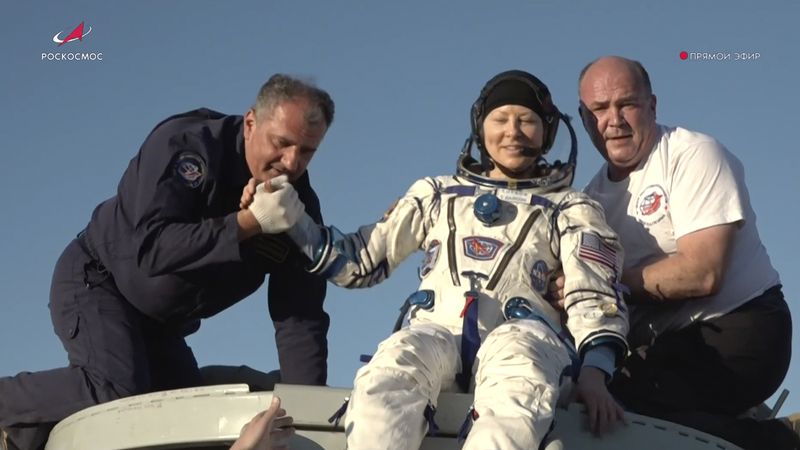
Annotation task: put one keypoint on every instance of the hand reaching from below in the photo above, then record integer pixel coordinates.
(268, 430)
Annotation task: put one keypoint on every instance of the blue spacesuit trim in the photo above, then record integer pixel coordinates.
(461, 191)
(469, 191)
(322, 252)
(429, 414)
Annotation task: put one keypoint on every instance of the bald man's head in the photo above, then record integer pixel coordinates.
(636, 68)
(618, 110)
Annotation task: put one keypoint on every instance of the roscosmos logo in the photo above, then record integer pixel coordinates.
(77, 34)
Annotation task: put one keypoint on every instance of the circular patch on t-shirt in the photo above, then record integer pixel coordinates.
(651, 205)
(190, 169)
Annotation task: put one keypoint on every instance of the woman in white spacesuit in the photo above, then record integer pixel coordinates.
(492, 235)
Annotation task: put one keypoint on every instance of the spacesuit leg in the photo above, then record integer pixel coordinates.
(390, 393)
(516, 386)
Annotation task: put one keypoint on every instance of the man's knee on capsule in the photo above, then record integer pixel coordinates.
(107, 388)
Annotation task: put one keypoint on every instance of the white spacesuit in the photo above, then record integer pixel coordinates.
(490, 248)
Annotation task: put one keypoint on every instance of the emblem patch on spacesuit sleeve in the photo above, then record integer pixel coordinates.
(593, 248)
(651, 205)
(190, 169)
(431, 255)
(481, 248)
(539, 275)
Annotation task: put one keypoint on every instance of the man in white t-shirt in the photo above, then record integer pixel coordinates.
(709, 319)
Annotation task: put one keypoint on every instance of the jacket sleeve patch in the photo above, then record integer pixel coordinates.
(189, 169)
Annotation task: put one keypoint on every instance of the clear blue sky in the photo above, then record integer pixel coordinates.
(403, 75)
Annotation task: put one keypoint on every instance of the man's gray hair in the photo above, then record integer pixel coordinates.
(282, 88)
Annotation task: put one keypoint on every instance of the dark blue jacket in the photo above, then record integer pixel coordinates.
(169, 239)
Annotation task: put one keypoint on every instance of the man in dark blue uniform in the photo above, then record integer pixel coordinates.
(173, 247)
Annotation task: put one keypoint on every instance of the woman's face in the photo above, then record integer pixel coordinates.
(512, 135)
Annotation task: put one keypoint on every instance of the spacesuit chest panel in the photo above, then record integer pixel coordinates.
(510, 257)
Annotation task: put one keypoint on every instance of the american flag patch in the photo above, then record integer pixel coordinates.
(593, 248)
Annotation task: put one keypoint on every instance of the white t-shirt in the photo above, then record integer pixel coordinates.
(687, 183)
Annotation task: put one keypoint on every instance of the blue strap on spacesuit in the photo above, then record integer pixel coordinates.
(622, 293)
(429, 413)
(466, 427)
(470, 339)
(337, 416)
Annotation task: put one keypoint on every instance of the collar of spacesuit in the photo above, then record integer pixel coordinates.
(559, 175)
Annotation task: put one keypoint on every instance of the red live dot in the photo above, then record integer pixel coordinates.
(684, 55)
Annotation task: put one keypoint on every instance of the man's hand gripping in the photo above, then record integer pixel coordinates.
(274, 204)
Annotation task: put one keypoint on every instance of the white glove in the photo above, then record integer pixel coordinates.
(279, 210)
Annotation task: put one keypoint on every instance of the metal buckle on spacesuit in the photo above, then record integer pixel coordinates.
(487, 208)
(474, 280)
